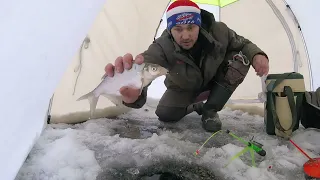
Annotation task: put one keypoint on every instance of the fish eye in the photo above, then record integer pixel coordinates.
(153, 68)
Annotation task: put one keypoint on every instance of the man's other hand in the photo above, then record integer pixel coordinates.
(260, 64)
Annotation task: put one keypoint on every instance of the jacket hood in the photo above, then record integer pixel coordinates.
(207, 19)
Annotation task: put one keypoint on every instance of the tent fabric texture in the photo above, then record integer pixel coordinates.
(270, 24)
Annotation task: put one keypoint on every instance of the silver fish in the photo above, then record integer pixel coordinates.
(138, 77)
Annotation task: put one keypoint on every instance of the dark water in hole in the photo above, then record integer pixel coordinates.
(169, 169)
(162, 176)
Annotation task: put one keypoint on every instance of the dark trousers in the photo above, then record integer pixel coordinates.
(173, 104)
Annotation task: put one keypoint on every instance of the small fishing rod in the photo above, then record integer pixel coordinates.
(254, 145)
(251, 146)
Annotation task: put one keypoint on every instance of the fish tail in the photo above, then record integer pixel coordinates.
(93, 100)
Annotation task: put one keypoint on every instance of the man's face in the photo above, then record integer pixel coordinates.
(185, 35)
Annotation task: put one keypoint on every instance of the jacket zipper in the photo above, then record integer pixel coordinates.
(198, 68)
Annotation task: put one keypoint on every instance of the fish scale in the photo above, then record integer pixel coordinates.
(130, 77)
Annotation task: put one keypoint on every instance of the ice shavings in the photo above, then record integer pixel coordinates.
(83, 151)
(60, 154)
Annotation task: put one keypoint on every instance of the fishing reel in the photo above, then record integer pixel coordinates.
(254, 145)
(257, 147)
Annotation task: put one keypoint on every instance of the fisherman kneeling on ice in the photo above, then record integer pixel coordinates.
(206, 61)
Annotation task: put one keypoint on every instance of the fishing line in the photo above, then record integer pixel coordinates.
(198, 150)
(304, 153)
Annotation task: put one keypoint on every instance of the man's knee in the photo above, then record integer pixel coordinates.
(170, 114)
(173, 105)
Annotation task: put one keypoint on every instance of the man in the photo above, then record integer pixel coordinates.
(202, 55)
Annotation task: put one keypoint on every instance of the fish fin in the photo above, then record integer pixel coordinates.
(116, 100)
(93, 101)
(104, 76)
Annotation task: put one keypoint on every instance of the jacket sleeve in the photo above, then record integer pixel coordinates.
(154, 54)
(239, 43)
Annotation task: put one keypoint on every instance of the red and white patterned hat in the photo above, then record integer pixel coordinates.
(183, 12)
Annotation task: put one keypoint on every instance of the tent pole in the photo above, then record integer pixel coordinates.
(155, 34)
(288, 31)
(48, 116)
(304, 43)
(219, 13)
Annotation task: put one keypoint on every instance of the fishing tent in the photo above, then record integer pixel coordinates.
(43, 56)
(282, 29)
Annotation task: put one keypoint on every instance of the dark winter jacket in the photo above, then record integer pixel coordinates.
(218, 41)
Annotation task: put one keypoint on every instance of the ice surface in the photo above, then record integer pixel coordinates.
(136, 141)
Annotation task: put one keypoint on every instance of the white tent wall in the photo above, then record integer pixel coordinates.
(121, 27)
(307, 14)
(257, 21)
(38, 39)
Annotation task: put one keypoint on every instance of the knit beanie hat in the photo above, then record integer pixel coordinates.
(183, 12)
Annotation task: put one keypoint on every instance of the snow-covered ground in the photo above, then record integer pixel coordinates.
(137, 143)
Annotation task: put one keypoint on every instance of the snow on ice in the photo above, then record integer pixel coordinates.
(137, 142)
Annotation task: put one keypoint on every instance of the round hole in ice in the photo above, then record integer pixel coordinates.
(162, 169)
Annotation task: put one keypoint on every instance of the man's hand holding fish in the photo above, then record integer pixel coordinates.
(129, 94)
